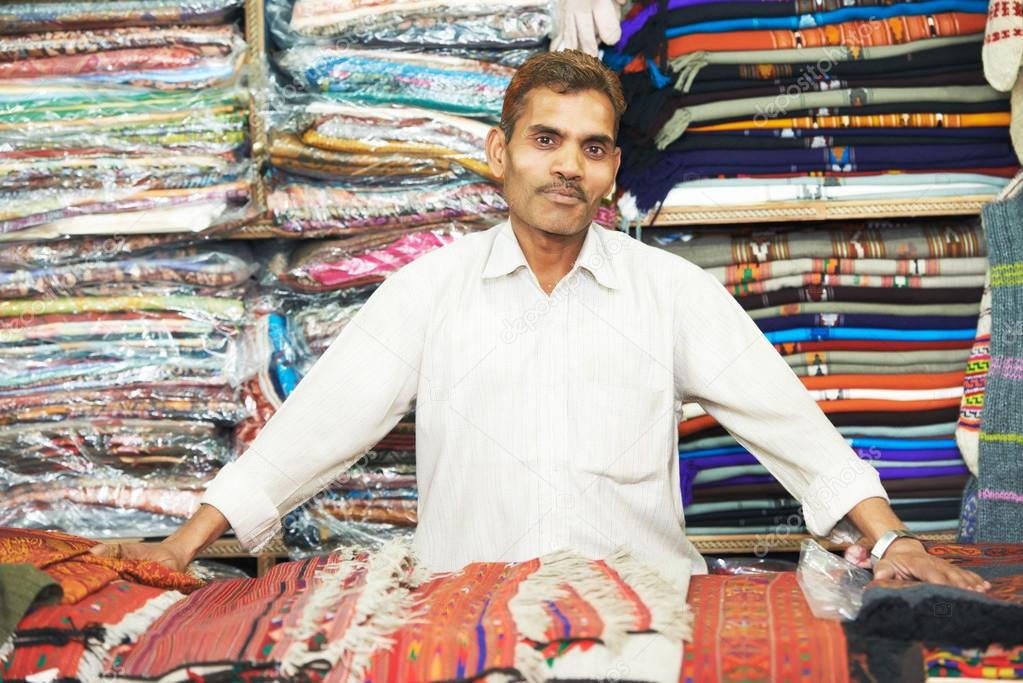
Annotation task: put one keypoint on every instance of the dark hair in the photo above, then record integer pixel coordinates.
(567, 71)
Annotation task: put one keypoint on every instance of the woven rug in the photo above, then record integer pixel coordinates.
(74, 642)
(355, 615)
(759, 628)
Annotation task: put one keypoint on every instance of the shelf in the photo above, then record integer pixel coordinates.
(778, 212)
(750, 544)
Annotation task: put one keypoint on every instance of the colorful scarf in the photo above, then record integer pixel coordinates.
(972, 407)
(46, 15)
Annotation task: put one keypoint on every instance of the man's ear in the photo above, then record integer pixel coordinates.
(495, 152)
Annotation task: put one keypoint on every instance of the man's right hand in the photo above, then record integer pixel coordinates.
(164, 552)
(178, 549)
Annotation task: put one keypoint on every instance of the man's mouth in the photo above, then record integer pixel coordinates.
(563, 195)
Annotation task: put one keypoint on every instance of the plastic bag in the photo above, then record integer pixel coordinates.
(833, 586)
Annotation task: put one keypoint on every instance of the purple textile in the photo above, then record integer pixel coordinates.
(900, 322)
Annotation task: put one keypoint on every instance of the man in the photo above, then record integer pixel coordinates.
(547, 359)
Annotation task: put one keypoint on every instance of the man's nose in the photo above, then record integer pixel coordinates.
(568, 163)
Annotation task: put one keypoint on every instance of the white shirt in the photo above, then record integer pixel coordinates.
(544, 422)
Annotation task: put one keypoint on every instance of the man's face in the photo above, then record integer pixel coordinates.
(560, 160)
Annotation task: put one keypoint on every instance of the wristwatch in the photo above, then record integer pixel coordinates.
(887, 538)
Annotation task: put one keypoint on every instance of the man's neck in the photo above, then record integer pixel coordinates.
(549, 256)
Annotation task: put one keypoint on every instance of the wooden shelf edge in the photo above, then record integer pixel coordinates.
(776, 212)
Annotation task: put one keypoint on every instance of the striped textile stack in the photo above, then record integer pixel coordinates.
(877, 320)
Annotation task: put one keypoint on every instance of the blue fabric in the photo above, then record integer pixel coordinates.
(885, 444)
(822, 333)
(837, 16)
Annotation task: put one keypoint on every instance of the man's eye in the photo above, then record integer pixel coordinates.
(595, 150)
(544, 139)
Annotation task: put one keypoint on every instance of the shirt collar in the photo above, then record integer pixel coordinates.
(506, 255)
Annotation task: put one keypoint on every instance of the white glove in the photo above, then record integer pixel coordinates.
(581, 22)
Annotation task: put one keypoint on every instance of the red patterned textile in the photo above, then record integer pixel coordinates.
(67, 559)
(759, 628)
(70, 642)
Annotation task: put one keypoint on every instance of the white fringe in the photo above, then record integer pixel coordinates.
(384, 605)
(327, 591)
(530, 664)
(133, 625)
(527, 605)
(664, 593)
(614, 609)
(7, 648)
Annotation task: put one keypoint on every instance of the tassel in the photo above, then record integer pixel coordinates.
(673, 129)
(687, 67)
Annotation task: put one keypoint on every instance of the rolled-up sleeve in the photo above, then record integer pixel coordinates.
(358, 390)
(724, 362)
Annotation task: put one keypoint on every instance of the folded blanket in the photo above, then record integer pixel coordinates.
(943, 614)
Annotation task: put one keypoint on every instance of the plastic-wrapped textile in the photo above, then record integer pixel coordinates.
(26, 312)
(361, 144)
(214, 404)
(14, 48)
(29, 255)
(165, 67)
(30, 16)
(288, 152)
(106, 448)
(222, 264)
(430, 23)
(334, 264)
(151, 211)
(313, 328)
(100, 508)
(459, 86)
(300, 209)
(66, 120)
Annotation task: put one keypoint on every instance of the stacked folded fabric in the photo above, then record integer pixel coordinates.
(119, 375)
(381, 123)
(878, 321)
(756, 103)
(126, 118)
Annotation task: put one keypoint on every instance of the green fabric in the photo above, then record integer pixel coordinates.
(857, 369)
(22, 587)
(898, 359)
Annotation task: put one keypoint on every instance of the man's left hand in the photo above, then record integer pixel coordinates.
(907, 559)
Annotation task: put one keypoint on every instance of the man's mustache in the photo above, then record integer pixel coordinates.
(565, 187)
